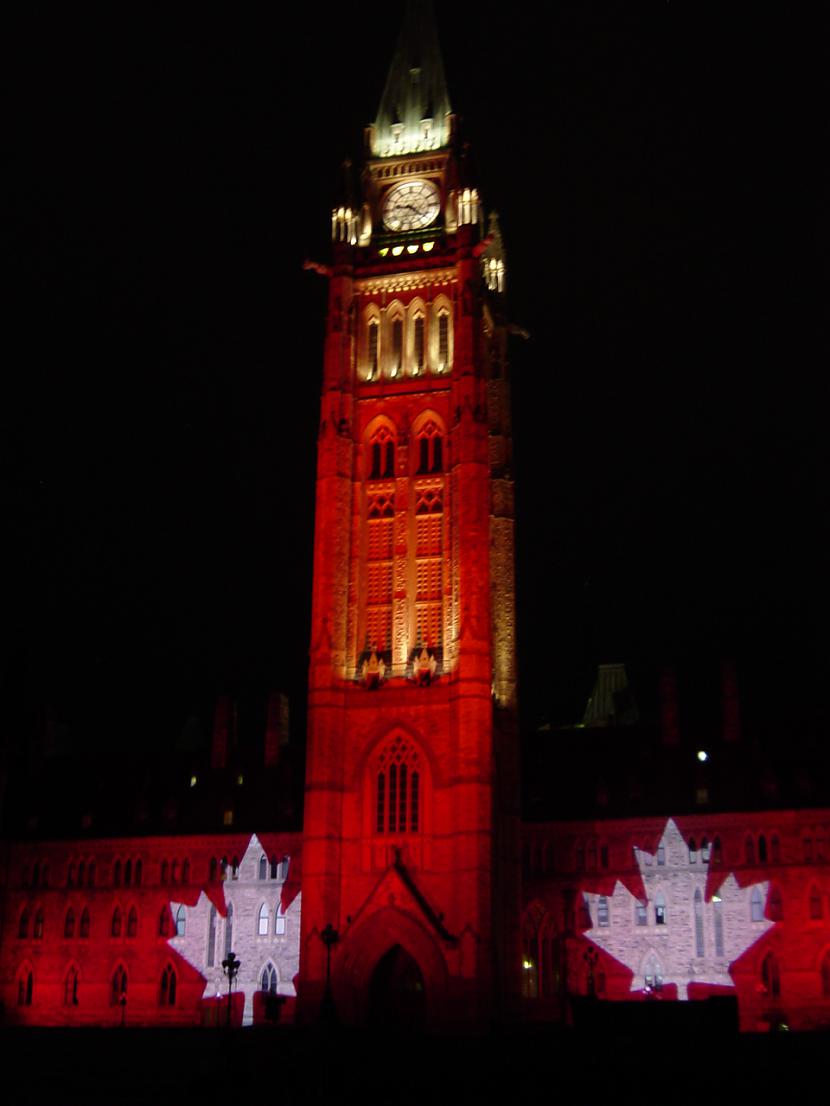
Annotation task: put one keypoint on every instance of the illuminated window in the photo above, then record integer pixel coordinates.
(70, 988)
(132, 922)
(756, 905)
(718, 911)
(263, 867)
(660, 915)
(211, 946)
(382, 454)
(373, 349)
(771, 976)
(698, 923)
(443, 341)
(118, 986)
(268, 980)
(23, 925)
(69, 924)
(84, 927)
(418, 346)
(762, 849)
(603, 913)
(181, 921)
(164, 921)
(380, 523)
(117, 923)
(749, 850)
(229, 930)
(397, 347)
(263, 921)
(167, 987)
(776, 905)
(640, 913)
(815, 903)
(397, 788)
(279, 921)
(25, 986)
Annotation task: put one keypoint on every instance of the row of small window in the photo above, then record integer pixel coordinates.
(406, 352)
(118, 987)
(429, 455)
(82, 925)
(168, 985)
(222, 868)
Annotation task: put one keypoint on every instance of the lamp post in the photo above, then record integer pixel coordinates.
(230, 966)
(329, 937)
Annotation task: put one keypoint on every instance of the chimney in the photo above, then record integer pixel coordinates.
(221, 729)
(730, 703)
(669, 726)
(276, 727)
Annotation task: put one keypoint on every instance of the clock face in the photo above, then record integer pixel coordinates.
(411, 205)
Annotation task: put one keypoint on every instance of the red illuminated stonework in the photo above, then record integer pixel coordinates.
(409, 843)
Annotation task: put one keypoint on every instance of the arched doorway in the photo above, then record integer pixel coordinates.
(396, 992)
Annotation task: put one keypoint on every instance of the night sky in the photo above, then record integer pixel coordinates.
(657, 168)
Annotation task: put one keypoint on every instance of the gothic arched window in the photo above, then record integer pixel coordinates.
(185, 871)
(116, 874)
(132, 922)
(165, 871)
(418, 346)
(81, 872)
(756, 905)
(692, 851)
(211, 945)
(128, 873)
(762, 849)
(263, 867)
(268, 980)
(749, 850)
(373, 349)
(263, 921)
(771, 976)
(25, 987)
(37, 931)
(698, 923)
(164, 921)
(660, 914)
(118, 986)
(279, 920)
(382, 454)
(640, 913)
(69, 924)
(229, 930)
(84, 928)
(430, 448)
(117, 922)
(138, 872)
(443, 341)
(398, 788)
(70, 987)
(90, 877)
(718, 911)
(167, 987)
(181, 921)
(397, 347)
(23, 924)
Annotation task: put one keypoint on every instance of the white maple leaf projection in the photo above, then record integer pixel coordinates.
(277, 948)
(676, 936)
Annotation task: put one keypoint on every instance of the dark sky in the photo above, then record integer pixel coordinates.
(658, 170)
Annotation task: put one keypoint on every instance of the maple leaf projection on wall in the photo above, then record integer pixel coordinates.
(676, 935)
(262, 929)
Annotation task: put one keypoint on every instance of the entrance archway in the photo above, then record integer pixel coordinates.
(397, 999)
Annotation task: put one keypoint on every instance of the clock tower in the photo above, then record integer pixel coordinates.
(410, 859)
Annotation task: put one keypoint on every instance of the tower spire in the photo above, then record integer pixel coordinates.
(415, 106)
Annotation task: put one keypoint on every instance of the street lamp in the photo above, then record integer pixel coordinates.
(230, 966)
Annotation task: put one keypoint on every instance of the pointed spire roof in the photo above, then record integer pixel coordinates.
(415, 104)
